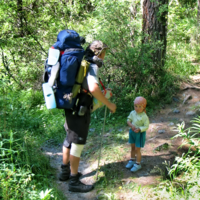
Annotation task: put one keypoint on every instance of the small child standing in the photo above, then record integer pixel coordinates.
(139, 123)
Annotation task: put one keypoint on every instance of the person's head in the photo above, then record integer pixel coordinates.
(140, 104)
(96, 48)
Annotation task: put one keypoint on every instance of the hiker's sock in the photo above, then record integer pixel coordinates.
(73, 174)
(79, 174)
(133, 159)
(138, 163)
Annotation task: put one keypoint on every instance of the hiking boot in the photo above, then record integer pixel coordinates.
(130, 164)
(65, 172)
(54, 74)
(77, 186)
(136, 167)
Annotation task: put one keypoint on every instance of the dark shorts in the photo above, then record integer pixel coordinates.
(137, 138)
(76, 126)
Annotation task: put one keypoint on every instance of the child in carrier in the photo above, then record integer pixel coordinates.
(138, 121)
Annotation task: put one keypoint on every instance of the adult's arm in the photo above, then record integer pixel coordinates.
(96, 92)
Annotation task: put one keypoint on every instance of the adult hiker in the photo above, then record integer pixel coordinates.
(77, 126)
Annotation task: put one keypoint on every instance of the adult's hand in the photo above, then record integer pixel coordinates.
(112, 107)
(96, 92)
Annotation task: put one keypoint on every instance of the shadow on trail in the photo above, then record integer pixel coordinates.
(113, 174)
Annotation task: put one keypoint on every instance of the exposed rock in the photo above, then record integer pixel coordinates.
(176, 99)
(171, 124)
(162, 119)
(161, 131)
(197, 103)
(176, 111)
(190, 113)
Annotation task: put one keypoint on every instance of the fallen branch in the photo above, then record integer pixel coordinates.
(153, 138)
(6, 66)
(191, 87)
(186, 98)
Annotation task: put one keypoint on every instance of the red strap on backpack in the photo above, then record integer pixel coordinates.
(102, 84)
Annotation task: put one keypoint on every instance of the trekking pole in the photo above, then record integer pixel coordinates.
(103, 132)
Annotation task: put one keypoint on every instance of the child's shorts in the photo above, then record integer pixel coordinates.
(137, 138)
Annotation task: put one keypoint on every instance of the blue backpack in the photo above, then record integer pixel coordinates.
(71, 55)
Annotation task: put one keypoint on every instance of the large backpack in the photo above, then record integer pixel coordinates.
(71, 55)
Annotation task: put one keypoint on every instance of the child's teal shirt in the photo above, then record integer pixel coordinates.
(139, 120)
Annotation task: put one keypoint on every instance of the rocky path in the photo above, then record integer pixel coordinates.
(55, 155)
(159, 147)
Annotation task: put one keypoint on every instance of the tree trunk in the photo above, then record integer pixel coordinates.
(155, 28)
(198, 13)
(20, 17)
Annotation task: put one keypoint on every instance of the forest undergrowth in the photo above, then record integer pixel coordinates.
(26, 124)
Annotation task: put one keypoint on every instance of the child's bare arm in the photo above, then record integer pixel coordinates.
(131, 125)
(137, 130)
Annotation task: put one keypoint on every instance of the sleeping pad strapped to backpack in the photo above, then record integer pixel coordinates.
(71, 55)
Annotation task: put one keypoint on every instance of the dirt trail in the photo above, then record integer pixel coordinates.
(184, 107)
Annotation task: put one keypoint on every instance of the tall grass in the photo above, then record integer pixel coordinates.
(25, 172)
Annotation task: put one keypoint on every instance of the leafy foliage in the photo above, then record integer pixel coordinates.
(29, 28)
